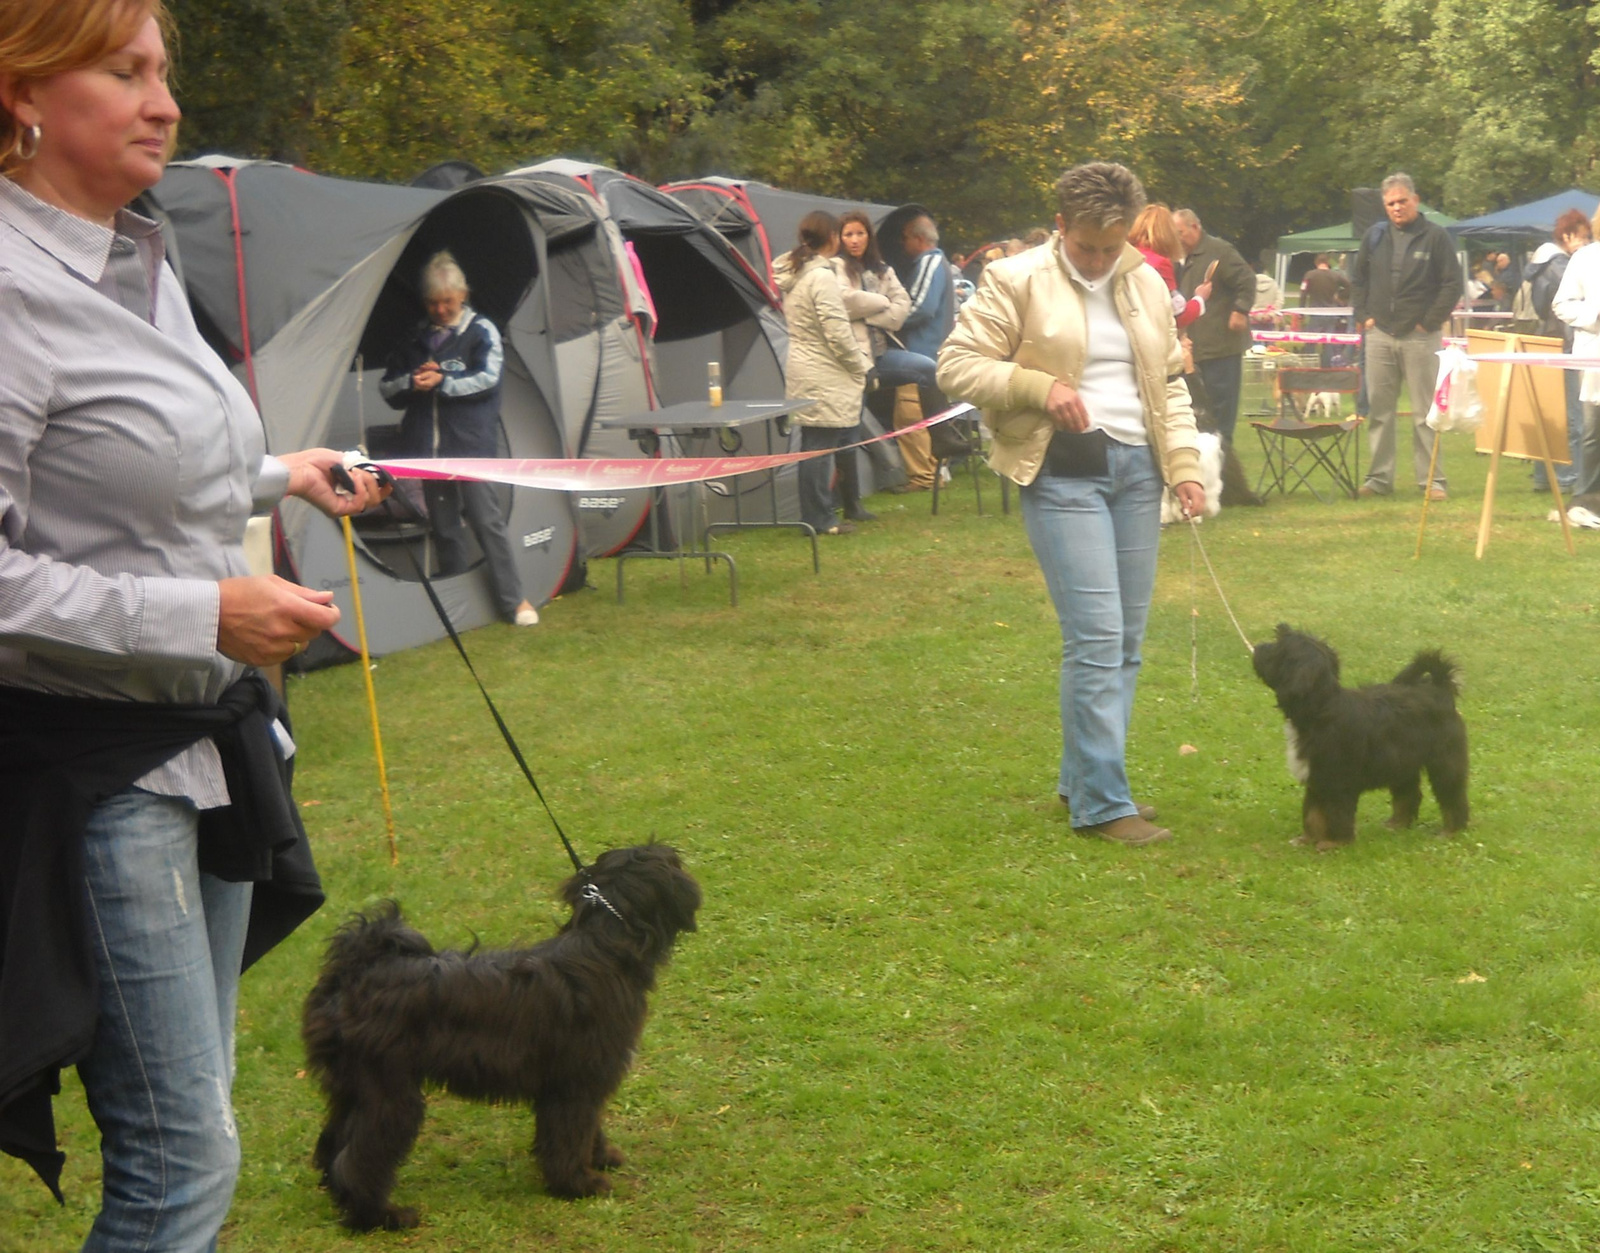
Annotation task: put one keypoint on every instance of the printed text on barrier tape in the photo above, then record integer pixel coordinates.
(623, 474)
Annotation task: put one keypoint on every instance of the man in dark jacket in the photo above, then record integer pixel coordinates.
(1405, 281)
(1221, 335)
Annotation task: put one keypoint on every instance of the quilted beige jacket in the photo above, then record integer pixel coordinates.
(1026, 328)
(826, 363)
(875, 302)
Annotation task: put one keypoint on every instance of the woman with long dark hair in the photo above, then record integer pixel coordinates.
(826, 363)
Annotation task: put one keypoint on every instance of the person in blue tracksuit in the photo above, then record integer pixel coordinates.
(446, 377)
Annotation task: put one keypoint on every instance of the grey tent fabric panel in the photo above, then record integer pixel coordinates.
(780, 211)
(610, 363)
(301, 233)
(723, 212)
(777, 213)
(300, 373)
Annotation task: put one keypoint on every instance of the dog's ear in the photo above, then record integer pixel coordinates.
(1307, 671)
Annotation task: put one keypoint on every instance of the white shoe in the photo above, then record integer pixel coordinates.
(1579, 516)
(527, 617)
(944, 474)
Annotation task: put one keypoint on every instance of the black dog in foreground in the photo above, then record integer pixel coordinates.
(1346, 741)
(554, 1025)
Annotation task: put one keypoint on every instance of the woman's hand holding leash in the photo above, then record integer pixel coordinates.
(323, 477)
(1191, 498)
(263, 620)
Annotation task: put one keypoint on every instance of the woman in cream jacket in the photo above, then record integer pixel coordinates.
(826, 363)
(1071, 352)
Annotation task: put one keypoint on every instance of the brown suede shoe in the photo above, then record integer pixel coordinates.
(1147, 812)
(1133, 831)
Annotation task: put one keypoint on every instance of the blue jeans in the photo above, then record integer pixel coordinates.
(896, 367)
(168, 944)
(814, 478)
(1567, 476)
(1096, 541)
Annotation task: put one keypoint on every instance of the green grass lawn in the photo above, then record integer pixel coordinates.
(920, 1014)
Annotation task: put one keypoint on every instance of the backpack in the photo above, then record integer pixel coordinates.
(1522, 306)
(1544, 280)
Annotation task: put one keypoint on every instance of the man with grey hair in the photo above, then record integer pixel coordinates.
(931, 286)
(1221, 335)
(1405, 281)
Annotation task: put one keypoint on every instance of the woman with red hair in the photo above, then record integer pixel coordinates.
(152, 848)
(1154, 234)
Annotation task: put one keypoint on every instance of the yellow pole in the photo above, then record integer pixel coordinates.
(1433, 464)
(372, 696)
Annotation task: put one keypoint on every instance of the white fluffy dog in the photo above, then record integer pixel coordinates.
(1210, 479)
(1324, 405)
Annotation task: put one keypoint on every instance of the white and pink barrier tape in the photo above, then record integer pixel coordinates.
(625, 474)
(1320, 337)
(1305, 337)
(1555, 360)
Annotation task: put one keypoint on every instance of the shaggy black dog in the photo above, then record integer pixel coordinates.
(1346, 741)
(554, 1025)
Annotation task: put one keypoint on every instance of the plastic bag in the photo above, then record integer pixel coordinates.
(1456, 405)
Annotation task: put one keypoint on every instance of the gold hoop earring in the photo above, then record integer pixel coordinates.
(23, 150)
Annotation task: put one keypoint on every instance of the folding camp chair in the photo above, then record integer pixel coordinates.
(1293, 449)
(959, 442)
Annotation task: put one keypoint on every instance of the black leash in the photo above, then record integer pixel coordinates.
(590, 891)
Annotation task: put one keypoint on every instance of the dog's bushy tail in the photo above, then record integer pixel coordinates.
(357, 946)
(1432, 667)
(368, 938)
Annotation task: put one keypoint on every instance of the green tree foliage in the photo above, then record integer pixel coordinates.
(1261, 114)
(247, 72)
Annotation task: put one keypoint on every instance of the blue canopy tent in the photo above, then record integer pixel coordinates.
(1528, 223)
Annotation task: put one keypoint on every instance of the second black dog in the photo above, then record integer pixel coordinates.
(1346, 741)
(554, 1025)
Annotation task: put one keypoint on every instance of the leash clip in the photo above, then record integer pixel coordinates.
(593, 894)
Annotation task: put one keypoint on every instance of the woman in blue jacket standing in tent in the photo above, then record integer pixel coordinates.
(447, 379)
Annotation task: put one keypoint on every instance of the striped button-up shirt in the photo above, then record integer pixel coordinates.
(130, 460)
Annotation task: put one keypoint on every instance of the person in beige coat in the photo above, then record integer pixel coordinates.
(1072, 354)
(826, 363)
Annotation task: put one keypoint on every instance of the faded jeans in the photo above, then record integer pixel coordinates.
(168, 942)
(897, 366)
(1096, 541)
